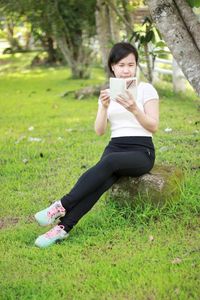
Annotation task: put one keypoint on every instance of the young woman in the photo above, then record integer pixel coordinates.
(130, 151)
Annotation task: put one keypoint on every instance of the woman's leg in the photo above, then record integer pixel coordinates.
(77, 212)
(95, 181)
(134, 163)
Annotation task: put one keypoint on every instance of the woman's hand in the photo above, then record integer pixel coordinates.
(105, 98)
(128, 102)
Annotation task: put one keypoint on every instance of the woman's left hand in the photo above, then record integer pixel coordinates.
(127, 101)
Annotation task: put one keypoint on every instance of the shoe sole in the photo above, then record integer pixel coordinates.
(60, 241)
(41, 224)
(44, 225)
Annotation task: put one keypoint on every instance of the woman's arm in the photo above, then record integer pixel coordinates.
(101, 118)
(149, 119)
(101, 121)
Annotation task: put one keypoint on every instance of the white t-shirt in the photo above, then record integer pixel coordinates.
(123, 122)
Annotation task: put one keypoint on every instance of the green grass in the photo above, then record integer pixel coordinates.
(109, 254)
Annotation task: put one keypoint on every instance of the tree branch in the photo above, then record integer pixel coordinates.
(119, 15)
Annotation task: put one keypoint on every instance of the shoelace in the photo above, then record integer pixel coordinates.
(55, 210)
(54, 231)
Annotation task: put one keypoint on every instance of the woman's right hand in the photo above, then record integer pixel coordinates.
(105, 98)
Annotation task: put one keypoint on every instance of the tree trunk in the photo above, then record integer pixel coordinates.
(103, 32)
(190, 20)
(128, 17)
(61, 42)
(77, 58)
(179, 39)
(14, 43)
(71, 45)
(179, 81)
(123, 17)
(114, 23)
(51, 51)
(148, 62)
(107, 29)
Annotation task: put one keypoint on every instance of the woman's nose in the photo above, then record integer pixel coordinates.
(126, 69)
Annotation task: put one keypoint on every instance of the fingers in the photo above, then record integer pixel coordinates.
(120, 99)
(105, 97)
(127, 102)
(104, 92)
(130, 95)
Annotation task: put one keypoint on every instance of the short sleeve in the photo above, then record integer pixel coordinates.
(149, 93)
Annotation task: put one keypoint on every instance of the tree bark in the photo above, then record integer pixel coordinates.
(77, 59)
(190, 20)
(179, 39)
(179, 81)
(148, 62)
(107, 28)
(114, 23)
(51, 51)
(71, 44)
(128, 17)
(10, 35)
(103, 32)
(121, 16)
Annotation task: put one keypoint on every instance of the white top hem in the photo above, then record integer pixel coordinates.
(130, 132)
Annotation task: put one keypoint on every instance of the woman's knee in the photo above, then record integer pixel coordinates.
(110, 161)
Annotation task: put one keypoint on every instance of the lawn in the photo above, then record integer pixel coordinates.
(47, 141)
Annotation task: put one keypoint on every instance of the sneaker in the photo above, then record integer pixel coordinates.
(55, 235)
(48, 215)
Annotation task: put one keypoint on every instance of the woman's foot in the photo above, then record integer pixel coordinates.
(49, 215)
(56, 234)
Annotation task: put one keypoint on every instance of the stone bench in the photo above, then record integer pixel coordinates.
(160, 186)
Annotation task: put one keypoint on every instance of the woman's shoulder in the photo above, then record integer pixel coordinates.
(145, 85)
(147, 91)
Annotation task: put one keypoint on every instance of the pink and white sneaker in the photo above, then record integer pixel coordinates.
(49, 215)
(55, 235)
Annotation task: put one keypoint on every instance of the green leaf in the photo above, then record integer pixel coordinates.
(149, 36)
(194, 3)
(142, 40)
(132, 36)
(160, 44)
(147, 20)
(159, 52)
(137, 37)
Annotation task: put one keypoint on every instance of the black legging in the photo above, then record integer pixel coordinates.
(118, 159)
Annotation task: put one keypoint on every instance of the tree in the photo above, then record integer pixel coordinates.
(9, 28)
(68, 23)
(29, 15)
(107, 28)
(73, 25)
(180, 29)
(113, 23)
(149, 44)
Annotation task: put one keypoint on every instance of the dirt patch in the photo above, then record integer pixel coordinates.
(9, 221)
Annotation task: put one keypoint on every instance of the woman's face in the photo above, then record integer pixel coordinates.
(126, 67)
